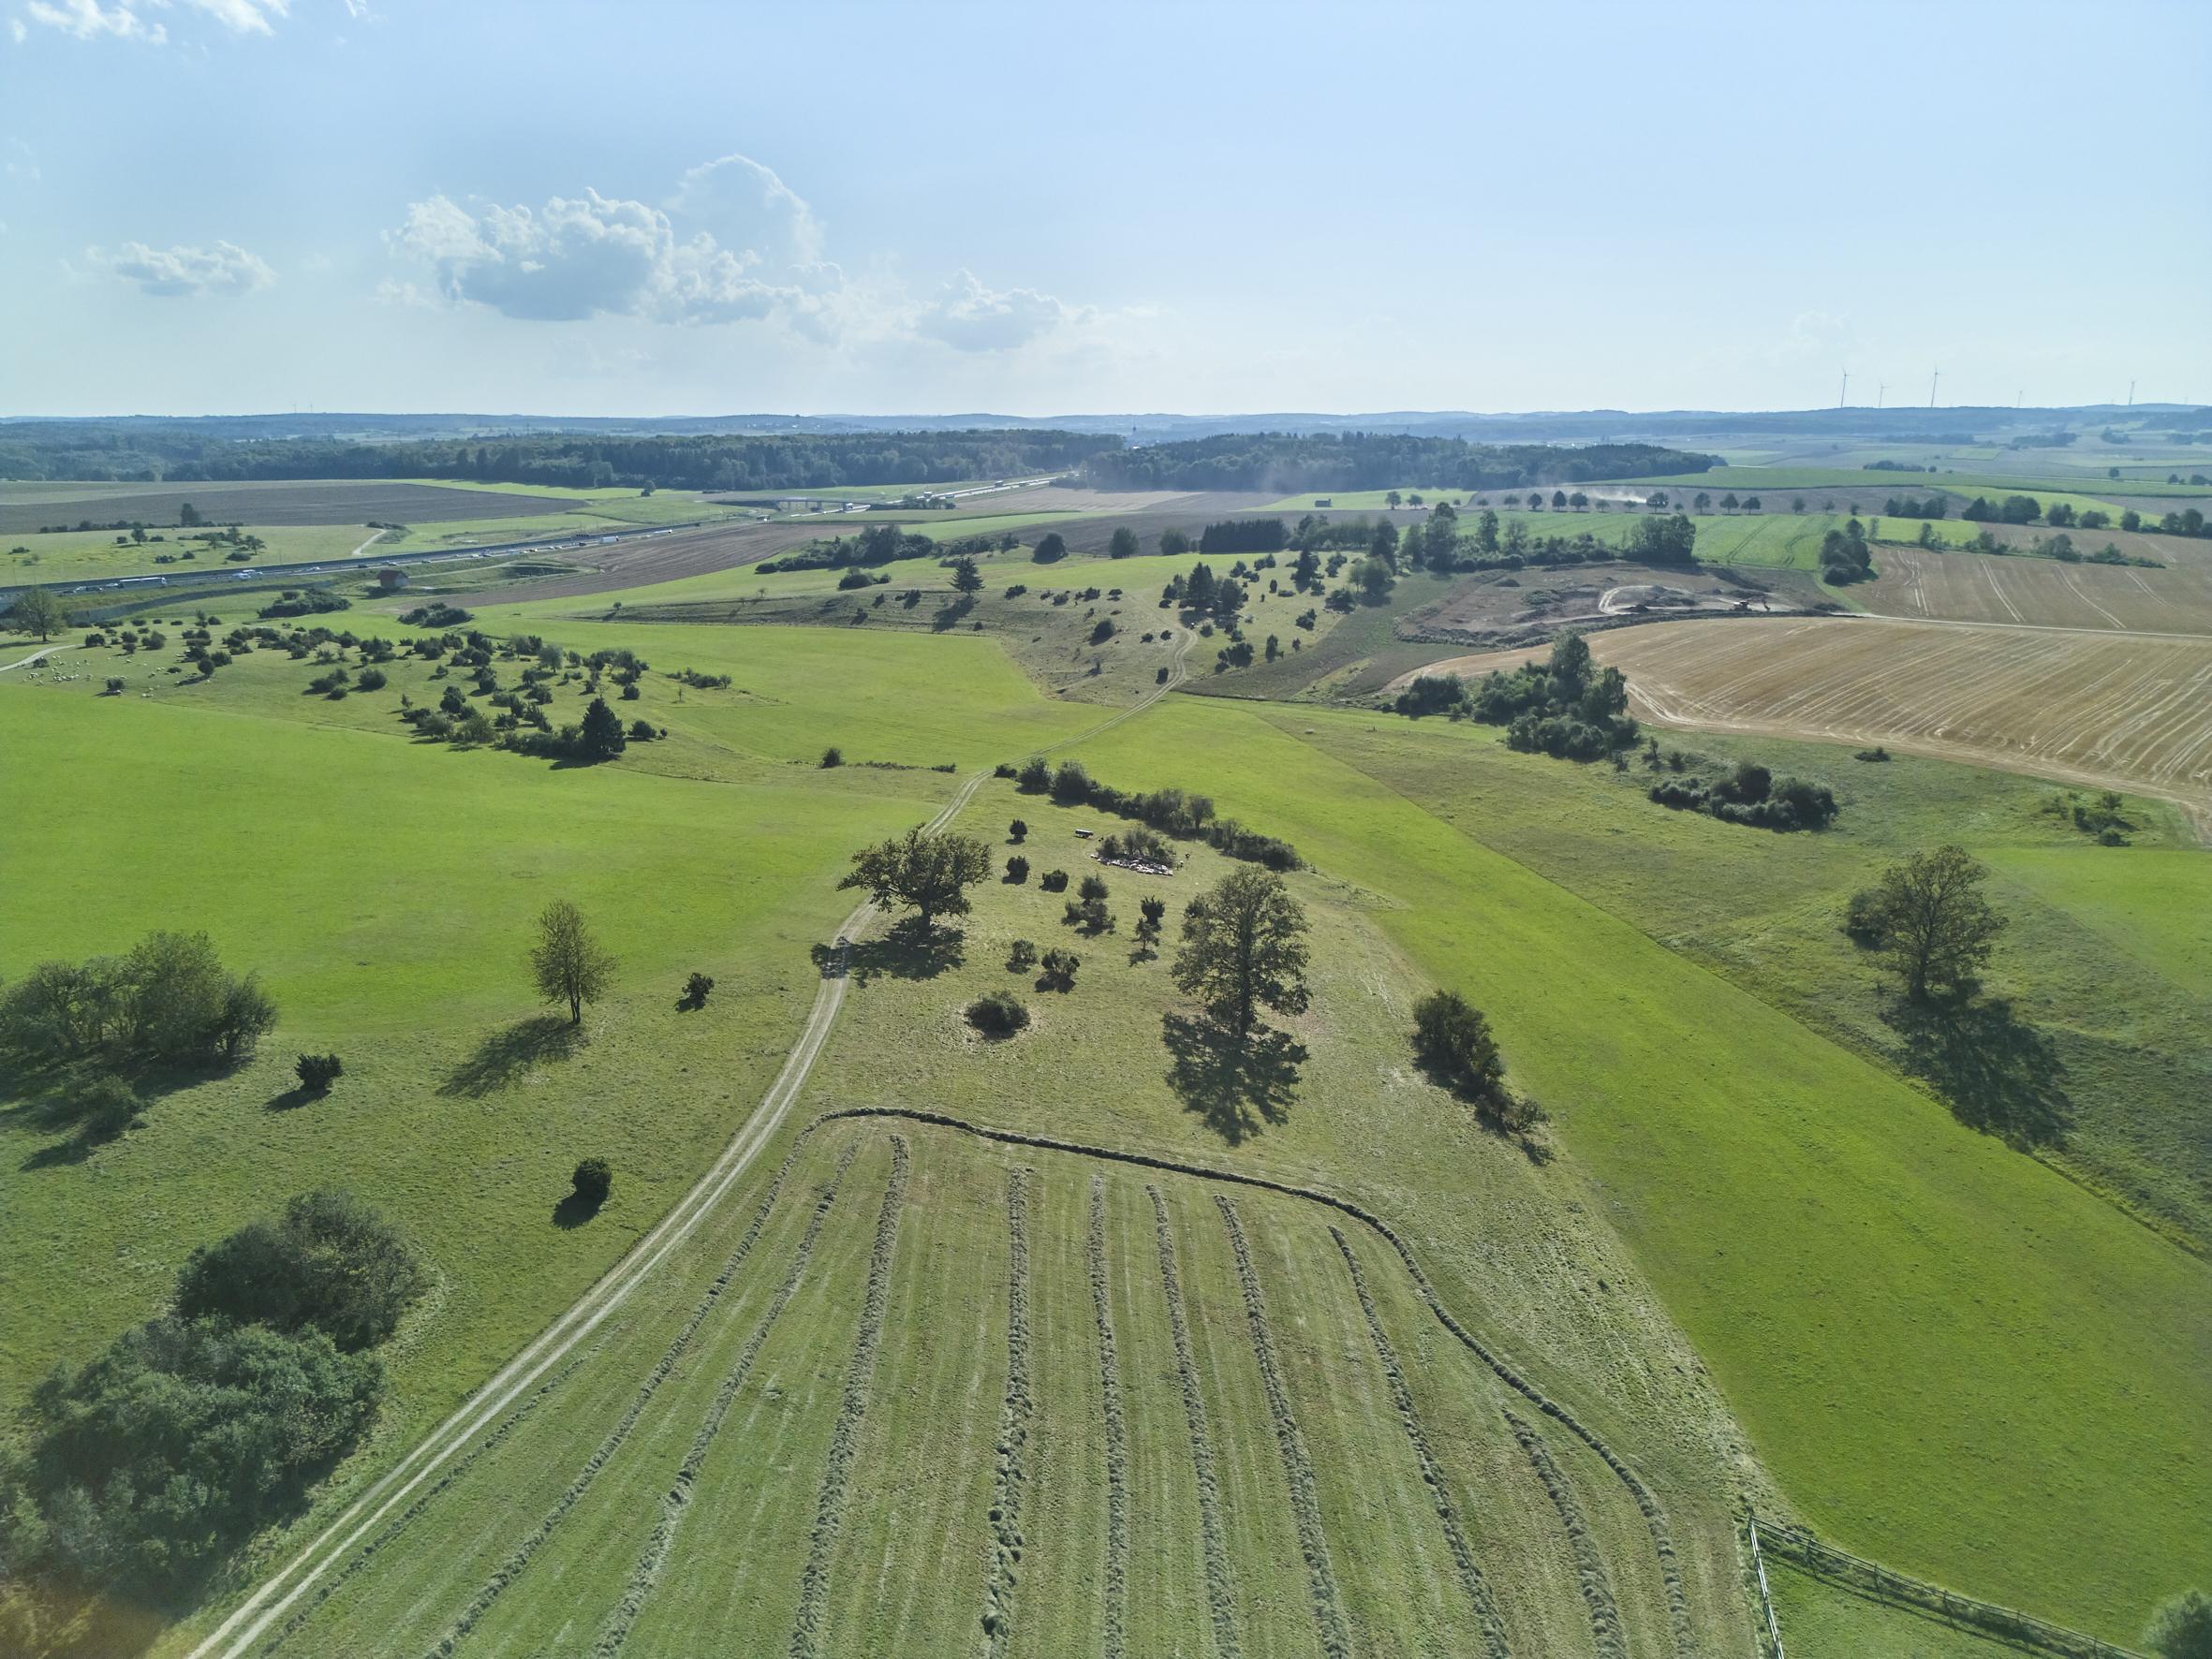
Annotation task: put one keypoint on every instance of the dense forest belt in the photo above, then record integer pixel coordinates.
(1654, 1518)
(400, 1522)
(519, 1558)
(1305, 1503)
(1014, 1413)
(1589, 1568)
(677, 1499)
(1432, 1473)
(1221, 1582)
(1117, 1433)
(829, 1513)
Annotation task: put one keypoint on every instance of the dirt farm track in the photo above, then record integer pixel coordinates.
(2086, 706)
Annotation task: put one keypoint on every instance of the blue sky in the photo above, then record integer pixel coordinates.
(240, 205)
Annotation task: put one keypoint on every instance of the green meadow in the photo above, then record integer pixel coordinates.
(1854, 1266)
(1749, 1250)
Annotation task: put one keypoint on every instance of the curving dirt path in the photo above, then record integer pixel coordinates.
(269, 1601)
(43, 652)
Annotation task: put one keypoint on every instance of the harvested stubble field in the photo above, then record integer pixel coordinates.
(338, 501)
(1031, 1401)
(2095, 707)
(2039, 592)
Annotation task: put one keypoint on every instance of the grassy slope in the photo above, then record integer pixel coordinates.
(1855, 1267)
(387, 907)
(71, 554)
(1821, 1621)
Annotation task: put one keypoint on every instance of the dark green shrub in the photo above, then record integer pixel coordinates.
(832, 756)
(997, 1014)
(593, 1181)
(1017, 870)
(1054, 881)
(696, 990)
(1022, 955)
(105, 1106)
(1452, 1039)
(318, 1072)
(331, 1262)
(1060, 970)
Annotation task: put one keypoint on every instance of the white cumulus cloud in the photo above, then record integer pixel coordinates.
(244, 17)
(185, 271)
(969, 317)
(88, 20)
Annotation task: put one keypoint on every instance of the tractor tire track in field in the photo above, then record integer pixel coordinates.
(518, 1559)
(829, 1514)
(1220, 1584)
(677, 1499)
(1432, 1473)
(1013, 1423)
(491, 1441)
(1117, 1433)
(1654, 1519)
(1589, 1568)
(1305, 1502)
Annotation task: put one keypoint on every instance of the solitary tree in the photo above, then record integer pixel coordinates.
(37, 611)
(1123, 544)
(568, 961)
(1050, 547)
(601, 738)
(930, 873)
(1453, 1039)
(1244, 946)
(1929, 916)
(966, 579)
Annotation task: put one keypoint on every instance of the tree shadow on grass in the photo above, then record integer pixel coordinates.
(1236, 1084)
(905, 951)
(1997, 1074)
(574, 1211)
(506, 1057)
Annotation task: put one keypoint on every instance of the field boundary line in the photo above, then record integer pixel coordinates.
(1655, 1521)
(1612, 1642)
(1876, 1582)
(1116, 1427)
(1305, 1503)
(1432, 1473)
(859, 1376)
(1220, 1581)
(1015, 1412)
(517, 1560)
(677, 1499)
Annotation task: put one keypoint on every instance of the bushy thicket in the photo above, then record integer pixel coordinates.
(169, 1001)
(145, 1467)
(878, 544)
(1751, 795)
(1174, 812)
(1565, 707)
(330, 1262)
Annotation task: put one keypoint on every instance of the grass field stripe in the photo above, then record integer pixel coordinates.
(338, 1580)
(518, 1559)
(1432, 1473)
(677, 1499)
(1589, 1567)
(829, 1513)
(1220, 1584)
(1305, 1503)
(1014, 1413)
(1654, 1518)
(1118, 1432)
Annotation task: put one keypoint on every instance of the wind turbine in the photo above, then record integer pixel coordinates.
(1880, 388)
(1843, 396)
(1933, 379)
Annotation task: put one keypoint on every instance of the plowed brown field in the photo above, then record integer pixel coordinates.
(2040, 593)
(2097, 707)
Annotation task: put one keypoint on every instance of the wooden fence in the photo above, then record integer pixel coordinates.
(1871, 1578)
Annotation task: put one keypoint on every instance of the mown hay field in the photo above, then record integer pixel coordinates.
(926, 1392)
